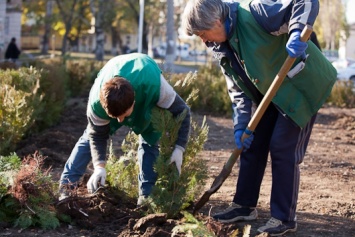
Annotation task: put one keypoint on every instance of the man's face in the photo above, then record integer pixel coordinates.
(216, 34)
(126, 114)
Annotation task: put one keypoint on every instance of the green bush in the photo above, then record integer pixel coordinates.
(343, 94)
(122, 172)
(21, 103)
(82, 73)
(55, 92)
(32, 99)
(8, 65)
(9, 166)
(213, 97)
(28, 195)
(34, 189)
(79, 73)
(172, 192)
(211, 88)
(9, 209)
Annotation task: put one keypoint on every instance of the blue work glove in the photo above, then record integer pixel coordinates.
(238, 139)
(295, 47)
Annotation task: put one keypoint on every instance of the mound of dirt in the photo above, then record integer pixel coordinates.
(326, 205)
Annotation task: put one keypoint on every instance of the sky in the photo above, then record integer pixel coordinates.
(350, 15)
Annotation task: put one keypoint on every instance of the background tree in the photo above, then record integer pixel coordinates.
(170, 38)
(81, 24)
(119, 19)
(39, 13)
(66, 11)
(47, 17)
(115, 17)
(47, 26)
(71, 19)
(330, 21)
(156, 13)
(97, 10)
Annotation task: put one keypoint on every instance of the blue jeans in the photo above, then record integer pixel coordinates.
(80, 157)
(147, 155)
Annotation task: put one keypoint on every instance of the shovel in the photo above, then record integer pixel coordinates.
(227, 168)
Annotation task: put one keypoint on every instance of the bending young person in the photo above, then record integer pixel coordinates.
(124, 93)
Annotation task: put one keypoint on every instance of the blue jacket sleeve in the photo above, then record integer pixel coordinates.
(280, 17)
(177, 107)
(241, 104)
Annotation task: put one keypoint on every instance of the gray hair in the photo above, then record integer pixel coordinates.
(202, 15)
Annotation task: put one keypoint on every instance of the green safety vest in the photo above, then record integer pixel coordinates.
(263, 55)
(144, 75)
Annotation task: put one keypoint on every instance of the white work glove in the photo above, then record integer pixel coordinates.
(177, 157)
(99, 175)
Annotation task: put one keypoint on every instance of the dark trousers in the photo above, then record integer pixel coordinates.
(286, 143)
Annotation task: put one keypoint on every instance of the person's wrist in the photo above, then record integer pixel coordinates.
(180, 148)
(295, 30)
(238, 131)
(99, 165)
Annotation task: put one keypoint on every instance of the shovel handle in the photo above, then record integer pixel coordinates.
(275, 85)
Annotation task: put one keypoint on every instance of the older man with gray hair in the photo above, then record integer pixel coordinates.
(251, 40)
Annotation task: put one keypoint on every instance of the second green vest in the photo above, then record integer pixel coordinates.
(299, 97)
(144, 75)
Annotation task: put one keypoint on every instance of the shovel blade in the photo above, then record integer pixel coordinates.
(218, 181)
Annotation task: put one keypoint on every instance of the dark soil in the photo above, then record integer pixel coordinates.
(326, 205)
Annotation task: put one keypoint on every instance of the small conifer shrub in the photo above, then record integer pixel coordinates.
(172, 192)
(122, 172)
(343, 94)
(33, 188)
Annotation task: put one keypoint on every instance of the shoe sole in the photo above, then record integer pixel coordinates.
(280, 234)
(239, 218)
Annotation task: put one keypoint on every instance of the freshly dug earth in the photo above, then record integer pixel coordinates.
(326, 205)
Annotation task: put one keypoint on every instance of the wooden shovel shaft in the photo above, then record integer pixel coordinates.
(227, 168)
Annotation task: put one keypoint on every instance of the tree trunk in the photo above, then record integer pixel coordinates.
(100, 40)
(170, 41)
(68, 21)
(47, 27)
(114, 41)
(99, 31)
(65, 38)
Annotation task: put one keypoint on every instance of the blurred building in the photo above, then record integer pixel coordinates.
(10, 23)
